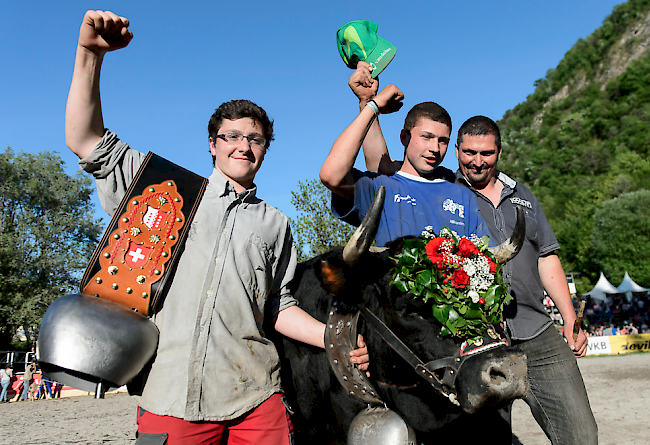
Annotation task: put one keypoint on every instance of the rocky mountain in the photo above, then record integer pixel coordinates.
(581, 143)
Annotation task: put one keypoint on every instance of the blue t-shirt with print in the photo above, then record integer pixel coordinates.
(412, 203)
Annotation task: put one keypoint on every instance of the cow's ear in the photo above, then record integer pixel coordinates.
(331, 276)
(395, 246)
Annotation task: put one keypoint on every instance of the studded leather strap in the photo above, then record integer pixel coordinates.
(141, 246)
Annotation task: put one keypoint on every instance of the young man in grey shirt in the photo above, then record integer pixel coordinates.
(215, 373)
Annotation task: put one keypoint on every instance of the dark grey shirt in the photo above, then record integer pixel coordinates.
(525, 316)
(214, 361)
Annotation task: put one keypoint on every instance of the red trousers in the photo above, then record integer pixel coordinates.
(268, 424)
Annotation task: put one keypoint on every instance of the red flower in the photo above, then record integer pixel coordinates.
(493, 266)
(481, 300)
(466, 248)
(433, 250)
(459, 279)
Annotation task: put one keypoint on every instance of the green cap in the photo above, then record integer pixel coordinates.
(358, 42)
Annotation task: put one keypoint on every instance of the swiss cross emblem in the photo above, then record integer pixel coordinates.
(137, 255)
(154, 218)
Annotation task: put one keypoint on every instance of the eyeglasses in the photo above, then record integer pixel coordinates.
(236, 139)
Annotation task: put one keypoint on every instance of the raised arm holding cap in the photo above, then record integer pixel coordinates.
(368, 54)
(336, 172)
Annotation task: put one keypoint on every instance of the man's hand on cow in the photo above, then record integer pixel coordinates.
(103, 31)
(362, 84)
(389, 99)
(360, 356)
(579, 346)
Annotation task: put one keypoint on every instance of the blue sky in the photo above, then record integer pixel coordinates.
(186, 58)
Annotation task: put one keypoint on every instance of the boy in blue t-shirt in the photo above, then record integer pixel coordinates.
(418, 195)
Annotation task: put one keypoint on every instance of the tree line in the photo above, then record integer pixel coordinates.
(47, 234)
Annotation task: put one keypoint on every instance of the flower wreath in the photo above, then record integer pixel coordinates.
(460, 276)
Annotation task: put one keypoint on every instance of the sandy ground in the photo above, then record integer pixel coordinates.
(618, 387)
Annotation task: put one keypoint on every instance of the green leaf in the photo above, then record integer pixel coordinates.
(490, 296)
(473, 313)
(425, 277)
(400, 285)
(438, 314)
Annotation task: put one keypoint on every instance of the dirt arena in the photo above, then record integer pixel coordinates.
(618, 387)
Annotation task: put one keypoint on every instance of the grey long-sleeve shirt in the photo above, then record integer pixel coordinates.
(213, 361)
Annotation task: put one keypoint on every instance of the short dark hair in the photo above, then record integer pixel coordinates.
(480, 126)
(238, 109)
(428, 110)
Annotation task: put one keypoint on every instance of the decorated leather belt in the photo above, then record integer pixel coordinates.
(139, 250)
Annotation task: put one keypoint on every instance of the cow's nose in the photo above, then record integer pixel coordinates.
(508, 377)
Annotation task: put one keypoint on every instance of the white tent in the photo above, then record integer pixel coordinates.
(628, 286)
(602, 288)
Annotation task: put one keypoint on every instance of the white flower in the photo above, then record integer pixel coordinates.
(428, 233)
(469, 268)
(478, 242)
(473, 295)
(447, 233)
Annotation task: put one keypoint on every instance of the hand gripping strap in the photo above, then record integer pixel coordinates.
(340, 339)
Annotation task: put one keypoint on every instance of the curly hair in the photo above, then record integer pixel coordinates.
(238, 109)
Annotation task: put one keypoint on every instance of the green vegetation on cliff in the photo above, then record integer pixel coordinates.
(581, 143)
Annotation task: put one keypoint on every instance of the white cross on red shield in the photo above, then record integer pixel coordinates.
(137, 255)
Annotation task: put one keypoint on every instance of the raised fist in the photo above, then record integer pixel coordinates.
(389, 99)
(103, 31)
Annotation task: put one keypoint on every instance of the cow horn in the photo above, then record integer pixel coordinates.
(362, 238)
(510, 248)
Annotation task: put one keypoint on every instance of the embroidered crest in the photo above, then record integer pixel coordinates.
(138, 249)
(137, 255)
(154, 218)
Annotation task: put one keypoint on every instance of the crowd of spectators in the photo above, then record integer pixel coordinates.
(614, 316)
(618, 316)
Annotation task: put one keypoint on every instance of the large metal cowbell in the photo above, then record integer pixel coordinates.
(380, 426)
(85, 341)
(101, 337)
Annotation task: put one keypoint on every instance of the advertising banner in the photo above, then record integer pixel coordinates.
(618, 344)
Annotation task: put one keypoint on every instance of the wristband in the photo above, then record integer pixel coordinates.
(373, 106)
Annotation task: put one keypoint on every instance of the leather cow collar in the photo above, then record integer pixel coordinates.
(341, 338)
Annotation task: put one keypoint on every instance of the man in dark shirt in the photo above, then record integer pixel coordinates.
(557, 396)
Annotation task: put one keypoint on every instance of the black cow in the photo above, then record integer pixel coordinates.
(323, 408)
